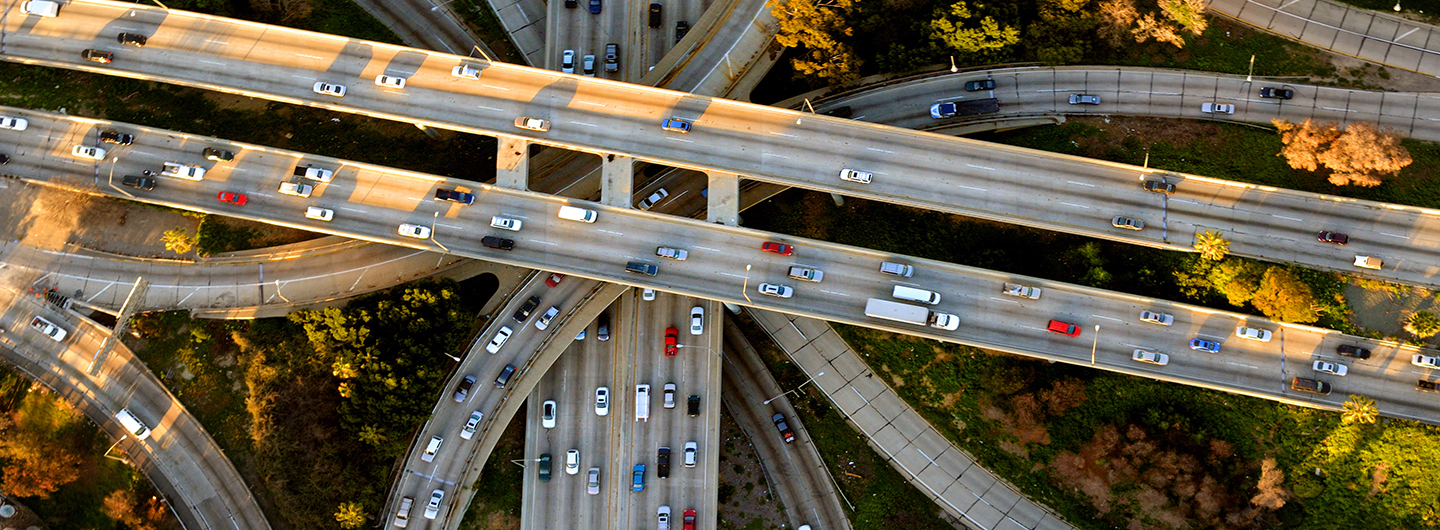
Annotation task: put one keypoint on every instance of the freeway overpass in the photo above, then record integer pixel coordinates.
(726, 264)
(594, 115)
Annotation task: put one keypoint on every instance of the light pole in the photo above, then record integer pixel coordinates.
(112, 448)
(456, 359)
(782, 394)
(433, 221)
(1252, 67)
(482, 52)
(953, 68)
(113, 161)
(1397, 6)
(441, 4)
(1094, 344)
(744, 289)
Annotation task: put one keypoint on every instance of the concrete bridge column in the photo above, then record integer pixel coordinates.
(512, 163)
(617, 180)
(724, 201)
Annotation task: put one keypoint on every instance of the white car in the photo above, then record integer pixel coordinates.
(48, 328)
(1369, 262)
(432, 508)
(567, 62)
(1151, 357)
(669, 395)
(1157, 318)
(663, 516)
(602, 401)
(499, 339)
(547, 414)
(471, 424)
(690, 453)
(85, 151)
(296, 189)
(415, 231)
(319, 214)
(1423, 361)
(328, 89)
(572, 461)
(315, 173)
(697, 320)
(44, 8)
(677, 254)
(587, 66)
(1217, 108)
(854, 175)
(18, 124)
(1261, 335)
(432, 448)
(182, 171)
(780, 291)
(390, 81)
(1331, 368)
(465, 71)
(650, 201)
(505, 223)
(532, 124)
(592, 482)
(1128, 223)
(647, 294)
(545, 319)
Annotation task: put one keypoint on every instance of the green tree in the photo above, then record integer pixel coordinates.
(1237, 279)
(36, 463)
(1359, 409)
(1190, 14)
(1422, 324)
(350, 515)
(1283, 297)
(816, 27)
(989, 36)
(178, 240)
(1212, 245)
(1062, 33)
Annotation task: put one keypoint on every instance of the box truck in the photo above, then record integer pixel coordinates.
(910, 314)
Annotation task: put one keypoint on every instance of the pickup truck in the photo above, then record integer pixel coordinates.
(314, 173)
(1023, 291)
(807, 274)
(183, 171)
(1427, 386)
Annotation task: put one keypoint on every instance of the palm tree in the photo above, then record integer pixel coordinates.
(1423, 324)
(1359, 409)
(1212, 245)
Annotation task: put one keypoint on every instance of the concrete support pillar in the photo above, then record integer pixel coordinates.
(512, 163)
(724, 200)
(839, 199)
(617, 180)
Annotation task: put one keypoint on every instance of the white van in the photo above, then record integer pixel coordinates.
(642, 403)
(132, 424)
(577, 214)
(916, 295)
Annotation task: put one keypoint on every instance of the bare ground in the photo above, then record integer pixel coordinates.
(752, 503)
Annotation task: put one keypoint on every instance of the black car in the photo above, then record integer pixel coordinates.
(983, 84)
(462, 391)
(218, 155)
(116, 137)
(139, 183)
(545, 467)
(525, 309)
(498, 243)
(681, 28)
(602, 331)
(454, 196)
(1332, 237)
(1276, 93)
(692, 407)
(1352, 351)
(4, 159)
(571, 4)
(1310, 385)
(840, 112)
(131, 39)
(784, 428)
(654, 15)
(662, 463)
(1160, 187)
(97, 56)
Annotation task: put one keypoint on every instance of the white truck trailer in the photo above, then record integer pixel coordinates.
(910, 314)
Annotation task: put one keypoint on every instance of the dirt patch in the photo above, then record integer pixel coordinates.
(745, 497)
(1384, 307)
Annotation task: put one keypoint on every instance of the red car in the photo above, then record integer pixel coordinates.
(777, 248)
(233, 198)
(1064, 328)
(1332, 237)
(688, 520)
(554, 279)
(672, 340)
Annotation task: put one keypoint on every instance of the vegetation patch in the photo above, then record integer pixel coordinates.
(496, 504)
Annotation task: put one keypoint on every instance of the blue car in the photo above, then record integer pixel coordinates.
(1205, 345)
(639, 475)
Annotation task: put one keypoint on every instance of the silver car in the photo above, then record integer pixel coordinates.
(592, 485)
(432, 508)
(1157, 318)
(499, 340)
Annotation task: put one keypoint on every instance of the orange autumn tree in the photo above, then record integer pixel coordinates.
(1361, 154)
